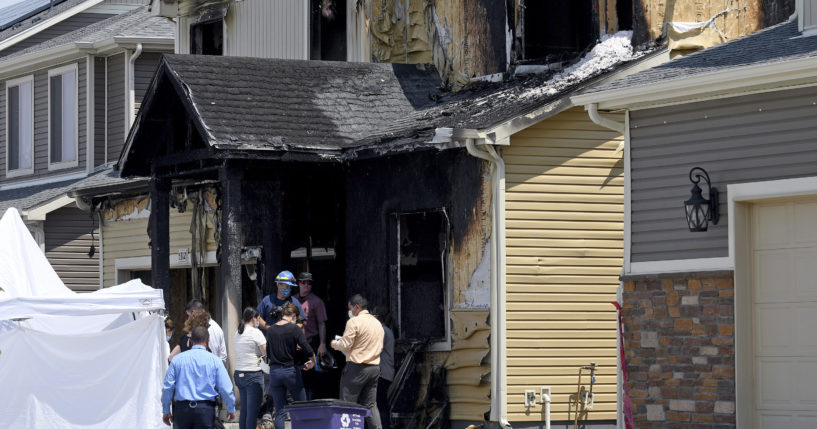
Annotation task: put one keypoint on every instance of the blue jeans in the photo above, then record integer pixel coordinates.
(281, 380)
(251, 390)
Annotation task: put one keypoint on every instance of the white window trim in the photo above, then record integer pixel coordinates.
(20, 171)
(75, 162)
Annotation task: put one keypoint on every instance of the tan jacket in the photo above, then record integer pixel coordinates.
(362, 339)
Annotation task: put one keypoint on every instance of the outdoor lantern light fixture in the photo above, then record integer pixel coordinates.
(699, 210)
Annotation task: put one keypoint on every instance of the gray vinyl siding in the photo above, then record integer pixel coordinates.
(73, 23)
(116, 105)
(146, 66)
(99, 114)
(67, 242)
(739, 139)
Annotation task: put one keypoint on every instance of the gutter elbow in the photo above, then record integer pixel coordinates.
(593, 111)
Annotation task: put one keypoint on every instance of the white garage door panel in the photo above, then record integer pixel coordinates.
(784, 313)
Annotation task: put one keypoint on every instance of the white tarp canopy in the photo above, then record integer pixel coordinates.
(94, 360)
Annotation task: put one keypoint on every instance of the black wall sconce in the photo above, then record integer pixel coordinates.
(699, 210)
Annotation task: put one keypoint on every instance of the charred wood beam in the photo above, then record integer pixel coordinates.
(272, 236)
(159, 226)
(172, 159)
(231, 178)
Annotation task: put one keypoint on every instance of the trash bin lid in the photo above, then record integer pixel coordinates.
(325, 403)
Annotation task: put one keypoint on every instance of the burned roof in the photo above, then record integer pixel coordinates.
(335, 110)
(776, 44)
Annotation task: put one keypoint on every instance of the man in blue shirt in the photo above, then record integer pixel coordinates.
(194, 376)
(270, 306)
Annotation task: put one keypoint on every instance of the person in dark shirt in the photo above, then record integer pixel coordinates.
(270, 306)
(283, 341)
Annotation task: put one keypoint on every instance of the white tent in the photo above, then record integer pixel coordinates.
(94, 360)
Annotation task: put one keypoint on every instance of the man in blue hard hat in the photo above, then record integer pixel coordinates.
(270, 306)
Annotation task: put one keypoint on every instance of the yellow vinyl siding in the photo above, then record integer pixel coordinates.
(129, 239)
(564, 227)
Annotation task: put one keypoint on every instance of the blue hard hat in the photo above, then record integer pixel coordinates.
(286, 278)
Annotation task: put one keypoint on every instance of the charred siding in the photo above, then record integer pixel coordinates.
(67, 242)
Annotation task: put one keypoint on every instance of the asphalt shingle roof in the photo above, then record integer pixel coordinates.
(36, 19)
(33, 196)
(137, 23)
(256, 103)
(776, 44)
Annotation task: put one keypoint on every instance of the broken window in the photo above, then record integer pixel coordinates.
(422, 290)
(557, 29)
(624, 13)
(207, 38)
(328, 30)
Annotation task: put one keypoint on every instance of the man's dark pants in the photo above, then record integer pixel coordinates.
(359, 384)
(383, 402)
(194, 415)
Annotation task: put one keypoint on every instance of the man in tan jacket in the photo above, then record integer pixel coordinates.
(362, 342)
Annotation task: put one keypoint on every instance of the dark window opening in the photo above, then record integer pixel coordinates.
(422, 239)
(558, 29)
(328, 30)
(207, 38)
(624, 10)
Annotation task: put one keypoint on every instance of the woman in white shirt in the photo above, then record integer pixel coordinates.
(250, 347)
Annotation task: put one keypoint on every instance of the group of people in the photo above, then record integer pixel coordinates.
(287, 335)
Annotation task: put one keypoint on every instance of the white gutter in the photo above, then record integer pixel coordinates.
(593, 111)
(499, 351)
(750, 78)
(132, 85)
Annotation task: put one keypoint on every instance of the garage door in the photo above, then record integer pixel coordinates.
(785, 314)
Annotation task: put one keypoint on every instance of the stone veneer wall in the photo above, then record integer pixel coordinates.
(679, 341)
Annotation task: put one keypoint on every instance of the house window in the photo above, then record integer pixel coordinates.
(328, 30)
(422, 290)
(20, 126)
(207, 38)
(62, 117)
(558, 30)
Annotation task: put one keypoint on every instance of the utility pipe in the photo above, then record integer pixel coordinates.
(101, 252)
(132, 84)
(499, 401)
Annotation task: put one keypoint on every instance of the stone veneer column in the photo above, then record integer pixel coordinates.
(679, 340)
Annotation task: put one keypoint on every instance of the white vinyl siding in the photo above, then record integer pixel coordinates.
(20, 126)
(63, 118)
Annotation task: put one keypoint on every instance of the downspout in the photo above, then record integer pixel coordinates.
(101, 252)
(132, 84)
(499, 400)
(593, 112)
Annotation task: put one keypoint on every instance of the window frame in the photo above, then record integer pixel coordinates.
(59, 71)
(445, 344)
(12, 83)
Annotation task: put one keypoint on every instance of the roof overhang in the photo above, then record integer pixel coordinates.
(47, 23)
(73, 51)
(39, 212)
(739, 80)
